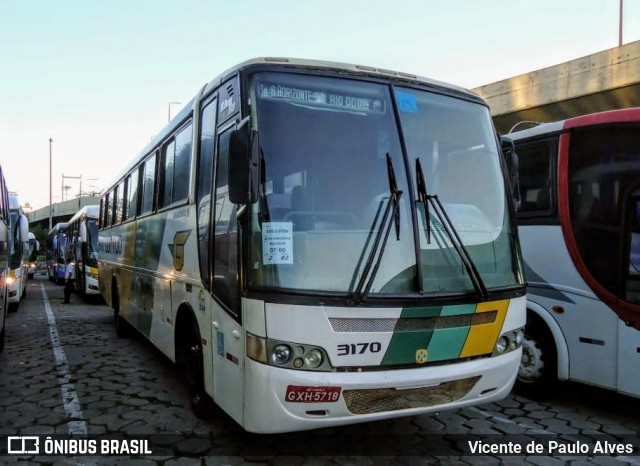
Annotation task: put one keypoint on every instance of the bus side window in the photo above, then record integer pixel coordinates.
(132, 195)
(536, 182)
(148, 182)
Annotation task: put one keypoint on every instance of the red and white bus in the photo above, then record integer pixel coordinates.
(579, 224)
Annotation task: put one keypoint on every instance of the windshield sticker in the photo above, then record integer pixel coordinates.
(407, 102)
(277, 243)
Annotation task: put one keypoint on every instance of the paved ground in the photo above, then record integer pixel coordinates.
(65, 372)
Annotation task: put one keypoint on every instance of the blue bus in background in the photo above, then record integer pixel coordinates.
(56, 243)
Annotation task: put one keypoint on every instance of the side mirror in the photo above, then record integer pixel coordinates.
(244, 166)
(512, 164)
(24, 228)
(83, 233)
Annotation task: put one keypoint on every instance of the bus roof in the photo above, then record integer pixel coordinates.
(591, 119)
(275, 63)
(91, 211)
(347, 68)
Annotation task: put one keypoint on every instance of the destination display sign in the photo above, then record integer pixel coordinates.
(321, 98)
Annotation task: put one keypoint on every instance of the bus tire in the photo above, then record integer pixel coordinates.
(538, 371)
(4, 327)
(123, 329)
(2, 333)
(13, 307)
(191, 351)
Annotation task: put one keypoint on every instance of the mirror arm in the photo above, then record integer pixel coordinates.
(242, 123)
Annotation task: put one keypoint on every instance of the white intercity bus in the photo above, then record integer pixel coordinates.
(320, 244)
(34, 249)
(18, 253)
(579, 223)
(5, 228)
(82, 248)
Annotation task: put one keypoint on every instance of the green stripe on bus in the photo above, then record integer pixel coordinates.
(408, 346)
(447, 343)
(405, 343)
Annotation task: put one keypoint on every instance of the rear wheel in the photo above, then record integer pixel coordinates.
(123, 329)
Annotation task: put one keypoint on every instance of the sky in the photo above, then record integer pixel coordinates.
(97, 76)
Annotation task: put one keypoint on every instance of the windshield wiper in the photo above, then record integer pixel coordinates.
(450, 230)
(390, 216)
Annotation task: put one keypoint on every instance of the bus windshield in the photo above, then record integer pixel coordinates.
(92, 242)
(15, 251)
(330, 148)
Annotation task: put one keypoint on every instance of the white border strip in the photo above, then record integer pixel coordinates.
(76, 424)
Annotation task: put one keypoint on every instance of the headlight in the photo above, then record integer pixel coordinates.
(313, 358)
(509, 341)
(287, 355)
(281, 354)
(502, 344)
(11, 280)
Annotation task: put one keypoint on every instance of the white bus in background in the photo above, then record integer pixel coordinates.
(82, 247)
(34, 249)
(579, 223)
(320, 244)
(5, 234)
(18, 253)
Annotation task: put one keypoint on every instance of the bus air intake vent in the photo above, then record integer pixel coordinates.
(382, 400)
(340, 324)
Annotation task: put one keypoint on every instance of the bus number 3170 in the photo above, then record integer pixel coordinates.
(359, 348)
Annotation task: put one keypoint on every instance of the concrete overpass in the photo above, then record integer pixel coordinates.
(60, 212)
(602, 81)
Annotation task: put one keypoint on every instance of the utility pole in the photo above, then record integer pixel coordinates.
(50, 185)
(620, 26)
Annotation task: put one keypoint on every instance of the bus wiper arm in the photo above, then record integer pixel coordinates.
(391, 215)
(450, 230)
(423, 197)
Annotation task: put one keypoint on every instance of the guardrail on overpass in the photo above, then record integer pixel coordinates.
(60, 212)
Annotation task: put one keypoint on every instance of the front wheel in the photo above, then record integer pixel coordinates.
(538, 371)
(201, 403)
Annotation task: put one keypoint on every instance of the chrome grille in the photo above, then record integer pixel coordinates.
(382, 400)
(340, 324)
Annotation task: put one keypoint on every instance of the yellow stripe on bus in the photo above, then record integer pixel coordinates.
(482, 338)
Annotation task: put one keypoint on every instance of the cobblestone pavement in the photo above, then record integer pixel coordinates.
(64, 371)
